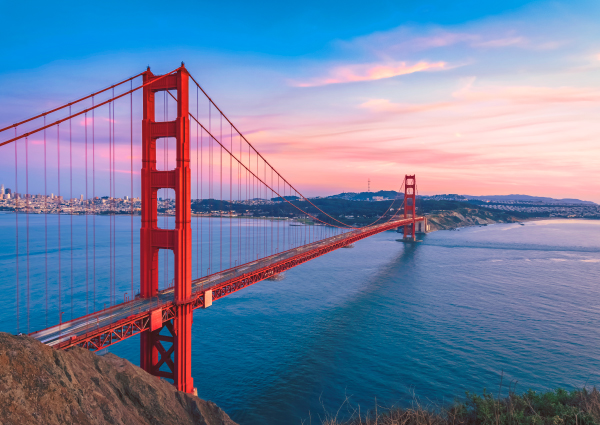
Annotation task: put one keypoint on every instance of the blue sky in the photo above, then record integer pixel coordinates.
(475, 97)
(42, 32)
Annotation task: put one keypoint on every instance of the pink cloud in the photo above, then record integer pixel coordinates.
(371, 72)
(519, 95)
(529, 94)
(94, 120)
(445, 39)
(404, 40)
(480, 139)
(386, 106)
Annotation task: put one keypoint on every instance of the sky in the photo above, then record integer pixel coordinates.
(473, 97)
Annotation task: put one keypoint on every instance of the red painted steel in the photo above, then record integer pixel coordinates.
(409, 205)
(140, 323)
(165, 324)
(153, 354)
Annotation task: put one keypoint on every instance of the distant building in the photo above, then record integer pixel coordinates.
(2, 191)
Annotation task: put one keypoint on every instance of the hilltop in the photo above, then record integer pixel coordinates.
(391, 194)
(39, 385)
(528, 198)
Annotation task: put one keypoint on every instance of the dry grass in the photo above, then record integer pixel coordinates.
(579, 407)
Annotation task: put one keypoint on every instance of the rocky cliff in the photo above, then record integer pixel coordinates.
(444, 220)
(39, 385)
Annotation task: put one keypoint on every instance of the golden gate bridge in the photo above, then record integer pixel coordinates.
(186, 146)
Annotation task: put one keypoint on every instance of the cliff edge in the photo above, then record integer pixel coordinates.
(446, 220)
(39, 385)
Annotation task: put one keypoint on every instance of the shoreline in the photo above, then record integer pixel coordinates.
(451, 220)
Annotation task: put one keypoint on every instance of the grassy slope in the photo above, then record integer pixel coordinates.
(579, 407)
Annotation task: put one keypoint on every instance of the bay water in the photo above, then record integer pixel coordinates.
(387, 323)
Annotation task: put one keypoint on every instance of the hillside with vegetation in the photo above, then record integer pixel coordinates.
(442, 214)
(559, 407)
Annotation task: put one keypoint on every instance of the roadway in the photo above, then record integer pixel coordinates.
(138, 310)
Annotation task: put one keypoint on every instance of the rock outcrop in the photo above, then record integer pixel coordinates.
(445, 220)
(39, 385)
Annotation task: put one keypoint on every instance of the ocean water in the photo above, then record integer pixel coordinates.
(386, 323)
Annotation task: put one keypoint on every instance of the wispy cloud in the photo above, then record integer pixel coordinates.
(502, 42)
(387, 106)
(371, 72)
(529, 94)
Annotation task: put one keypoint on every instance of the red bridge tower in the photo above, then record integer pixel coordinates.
(174, 361)
(409, 205)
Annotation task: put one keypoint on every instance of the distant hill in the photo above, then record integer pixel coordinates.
(367, 196)
(288, 198)
(527, 198)
(391, 194)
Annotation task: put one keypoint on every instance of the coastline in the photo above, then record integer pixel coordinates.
(467, 217)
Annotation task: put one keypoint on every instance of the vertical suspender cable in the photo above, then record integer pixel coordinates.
(273, 211)
(201, 199)
(131, 178)
(278, 221)
(256, 223)
(239, 225)
(221, 196)
(210, 191)
(285, 224)
(110, 197)
(71, 203)
(94, 204)
(198, 205)
(114, 191)
(230, 194)
(27, 224)
(58, 201)
(265, 224)
(248, 225)
(17, 226)
(45, 223)
(86, 220)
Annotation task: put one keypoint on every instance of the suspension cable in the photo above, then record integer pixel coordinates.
(69, 104)
(37, 130)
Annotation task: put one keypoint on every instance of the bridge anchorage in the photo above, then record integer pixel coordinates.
(234, 233)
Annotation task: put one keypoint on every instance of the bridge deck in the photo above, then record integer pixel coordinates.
(107, 327)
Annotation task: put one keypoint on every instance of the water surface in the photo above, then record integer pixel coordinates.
(387, 321)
